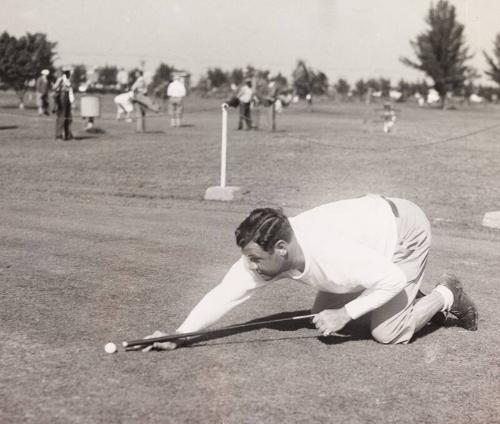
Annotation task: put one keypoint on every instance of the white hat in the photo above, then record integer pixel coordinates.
(45, 72)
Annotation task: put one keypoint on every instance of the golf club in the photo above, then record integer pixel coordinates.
(146, 342)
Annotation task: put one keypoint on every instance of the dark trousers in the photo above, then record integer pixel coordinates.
(44, 99)
(63, 117)
(245, 116)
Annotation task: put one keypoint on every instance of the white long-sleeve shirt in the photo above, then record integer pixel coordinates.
(176, 89)
(348, 247)
(245, 94)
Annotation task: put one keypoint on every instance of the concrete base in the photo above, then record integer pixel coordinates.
(492, 219)
(225, 194)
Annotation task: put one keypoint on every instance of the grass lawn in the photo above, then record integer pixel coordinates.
(107, 238)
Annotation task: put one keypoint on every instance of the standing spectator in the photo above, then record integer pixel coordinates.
(139, 89)
(245, 95)
(176, 93)
(63, 99)
(42, 93)
(142, 101)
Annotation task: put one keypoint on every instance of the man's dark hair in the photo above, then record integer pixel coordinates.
(265, 227)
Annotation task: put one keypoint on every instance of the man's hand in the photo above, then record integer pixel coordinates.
(160, 346)
(330, 321)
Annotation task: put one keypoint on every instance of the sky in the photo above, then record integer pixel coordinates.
(349, 39)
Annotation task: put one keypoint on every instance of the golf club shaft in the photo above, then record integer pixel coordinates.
(171, 337)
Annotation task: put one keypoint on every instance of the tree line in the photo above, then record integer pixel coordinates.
(440, 53)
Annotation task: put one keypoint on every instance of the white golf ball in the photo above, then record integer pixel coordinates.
(110, 348)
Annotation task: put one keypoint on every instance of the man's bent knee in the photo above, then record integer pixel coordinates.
(382, 335)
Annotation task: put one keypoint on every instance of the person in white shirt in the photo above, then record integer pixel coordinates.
(245, 95)
(124, 104)
(176, 93)
(363, 256)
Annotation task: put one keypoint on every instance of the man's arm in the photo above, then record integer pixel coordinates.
(359, 265)
(236, 287)
(382, 278)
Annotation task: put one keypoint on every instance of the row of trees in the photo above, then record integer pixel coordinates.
(305, 80)
(440, 53)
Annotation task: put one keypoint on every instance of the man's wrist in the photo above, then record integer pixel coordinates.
(347, 313)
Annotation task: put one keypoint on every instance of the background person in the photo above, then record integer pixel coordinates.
(139, 88)
(245, 95)
(124, 104)
(42, 93)
(176, 92)
(63, 100)
(389, 117)
(141, 100)
(364, 256)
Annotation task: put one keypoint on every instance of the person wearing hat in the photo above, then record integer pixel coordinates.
(245, 95)
(64, 98)
(42, 93)
(176, 93)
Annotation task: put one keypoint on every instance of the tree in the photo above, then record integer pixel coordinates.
(342, 87)
(236, 77)
(420, 87)
(373, 84)
(494, 71)
(385, 86)
(217, 77)
(302, 79)
(280, 80)
(405, 88)
(360, 88)
(319, 83)
(441, 51)
(107, 76)
(21, 60)
(307, 81)
(79, 75)
(163, 74)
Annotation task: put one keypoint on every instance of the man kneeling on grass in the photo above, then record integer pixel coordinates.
(363, 256)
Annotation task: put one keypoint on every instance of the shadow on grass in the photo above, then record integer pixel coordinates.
(431, 327)
(16, 106)
(80, 137)
(353, 331)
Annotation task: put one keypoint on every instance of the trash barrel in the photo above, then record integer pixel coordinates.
(90, 107)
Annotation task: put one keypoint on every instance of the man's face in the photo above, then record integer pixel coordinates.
(266, 264)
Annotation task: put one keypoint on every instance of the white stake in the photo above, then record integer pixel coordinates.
(224, 146)
(221, 192)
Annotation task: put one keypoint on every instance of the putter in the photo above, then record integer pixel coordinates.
(147, 342)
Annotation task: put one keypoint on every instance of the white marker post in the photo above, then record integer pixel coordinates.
(223, 192)
(223, 152)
